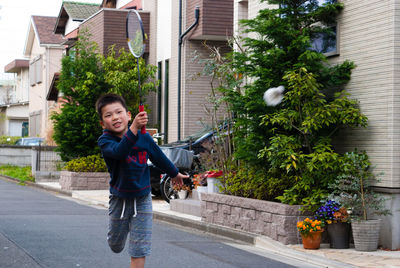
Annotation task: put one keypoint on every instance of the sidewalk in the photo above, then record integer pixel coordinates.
(324, 257)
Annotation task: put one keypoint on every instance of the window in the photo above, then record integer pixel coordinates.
(327, 43)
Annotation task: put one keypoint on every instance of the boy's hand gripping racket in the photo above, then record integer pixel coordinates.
(136, 37)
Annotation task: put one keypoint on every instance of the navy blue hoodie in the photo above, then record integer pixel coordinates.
(126, 160)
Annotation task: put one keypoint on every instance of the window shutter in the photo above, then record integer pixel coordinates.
(32, 74)
(39, 67)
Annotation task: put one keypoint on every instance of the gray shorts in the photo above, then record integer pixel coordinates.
(133, 216)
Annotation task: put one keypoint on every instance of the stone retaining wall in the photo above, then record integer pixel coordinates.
(84, 180)
(271, 219)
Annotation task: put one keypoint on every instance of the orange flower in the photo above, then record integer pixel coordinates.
(318, 228)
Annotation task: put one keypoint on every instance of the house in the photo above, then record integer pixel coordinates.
(16, 104)
(366, 33)
(44, 50)
(177, 109)
(177, 88)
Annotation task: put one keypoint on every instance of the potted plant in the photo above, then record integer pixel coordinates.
(353, 189)
(213, 180)
(200, 183)
(337, 222)
(182, 190)
(311, 233)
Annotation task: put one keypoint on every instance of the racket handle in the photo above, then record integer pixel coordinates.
(141, 109)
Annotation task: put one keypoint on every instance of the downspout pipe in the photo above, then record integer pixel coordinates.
(197, 15)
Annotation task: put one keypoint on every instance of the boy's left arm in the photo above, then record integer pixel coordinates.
(158, 158)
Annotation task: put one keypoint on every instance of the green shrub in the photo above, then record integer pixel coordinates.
(8, 139)
(301, 150)
(91, 163)
(251, 183)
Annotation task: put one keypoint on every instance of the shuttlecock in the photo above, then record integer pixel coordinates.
(274, 95)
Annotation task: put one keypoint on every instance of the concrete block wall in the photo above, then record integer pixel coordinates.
(15, 155)
(275, 220)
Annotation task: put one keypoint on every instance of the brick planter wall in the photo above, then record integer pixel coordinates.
(275, 220)
(84, 180)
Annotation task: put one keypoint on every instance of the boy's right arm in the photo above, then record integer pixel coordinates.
(117, 150)
(139, 121)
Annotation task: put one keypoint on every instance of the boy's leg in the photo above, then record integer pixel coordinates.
(141, 229)
(137, 262)
(118, 227)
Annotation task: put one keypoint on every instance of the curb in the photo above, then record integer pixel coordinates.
(206, 227)
(272, 246)
(32, 184)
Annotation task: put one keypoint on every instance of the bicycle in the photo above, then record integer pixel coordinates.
(168, 192)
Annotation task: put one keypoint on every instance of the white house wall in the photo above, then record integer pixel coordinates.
(51, 63)
(22, 92)
(36, 92)
(173, 73)
(17, 112)
(163, 30)
(367, 37)
(163, 46)
(71, 25)
(121, 3)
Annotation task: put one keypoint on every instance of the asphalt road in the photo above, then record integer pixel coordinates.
(40, 229)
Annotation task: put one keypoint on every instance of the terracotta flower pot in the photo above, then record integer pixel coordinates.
(312, 240)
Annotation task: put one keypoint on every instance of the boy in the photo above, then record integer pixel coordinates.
(125, 151)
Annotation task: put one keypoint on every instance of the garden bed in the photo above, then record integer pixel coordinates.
(272, 219)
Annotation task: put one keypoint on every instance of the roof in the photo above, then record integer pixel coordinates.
(75, 11)
(41, 28)
(44, 29)
(16, 65)
(80, 11)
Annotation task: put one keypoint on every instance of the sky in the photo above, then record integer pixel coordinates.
(14, 22)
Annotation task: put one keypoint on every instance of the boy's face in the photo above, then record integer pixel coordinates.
(115, 118)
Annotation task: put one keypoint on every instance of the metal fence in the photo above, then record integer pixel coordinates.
(46, 163)
(47, 159)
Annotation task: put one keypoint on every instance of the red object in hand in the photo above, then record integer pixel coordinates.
(141, 109)
(214, 174)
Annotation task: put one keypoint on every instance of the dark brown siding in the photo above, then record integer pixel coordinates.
(107, 28)
(216, 19)
(95, 27)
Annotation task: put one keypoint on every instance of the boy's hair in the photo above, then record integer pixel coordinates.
(108, 99)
